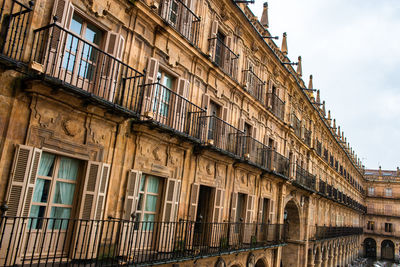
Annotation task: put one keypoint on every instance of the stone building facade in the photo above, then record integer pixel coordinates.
(166, 132)
(382, 223)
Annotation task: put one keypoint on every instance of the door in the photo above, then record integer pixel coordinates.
(163, 97)
(203, 217)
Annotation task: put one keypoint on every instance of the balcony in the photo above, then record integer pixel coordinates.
(180, 17)
(393, 195)
(220, 134)
(254, 85)
(51, 241)
(163, 106)
(254, 151)
(319, 148)
(296, 124)
(326, 232)
(383, 212)
(277, 106)
(305, 178)
(222, 56)
(382, 232)
(279, 163)
(322, 187)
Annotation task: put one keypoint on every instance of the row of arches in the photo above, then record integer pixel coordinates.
(386, 249)
(250, 262)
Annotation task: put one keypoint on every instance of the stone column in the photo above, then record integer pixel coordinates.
(378, 251)
(331, 259)
(310, 259)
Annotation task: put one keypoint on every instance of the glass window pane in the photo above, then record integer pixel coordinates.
(68, 168)
(142, 183)
(93, 34)
(151, 203)
(152, 184)
(62, 215)
(64, 193)
(41, 193)
(76, 24)
(69, 61)
(36, 211)
(46, 164)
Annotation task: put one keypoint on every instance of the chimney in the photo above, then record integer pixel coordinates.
(284, 47)
(264, 17)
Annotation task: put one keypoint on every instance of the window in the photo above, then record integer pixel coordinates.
(370, 225)
(162, 93)
(219, 50)
(54, 190)
(214, 124)
(80, 57)
(388, 192)
(371, 191)
(149, 201)
(247, 129)
(388, 227)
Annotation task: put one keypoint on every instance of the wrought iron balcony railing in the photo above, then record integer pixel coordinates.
(66, 58)
(254, 85)
(15, 17)
(164, 106)
(296, 124)
(393, 195)
(319, 148)
(223, 56)
(307, 137)
(252, 150)
(303, 177)
(383, 212)
(277, 106)
(181, 17)
(279, 163)
(115, 242)
(220, 134)
(322, 187)
(382, 232)
(325, 232)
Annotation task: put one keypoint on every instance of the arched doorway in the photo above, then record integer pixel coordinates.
(370, 248)
(291, 252)
(261, 263)
(387, 250)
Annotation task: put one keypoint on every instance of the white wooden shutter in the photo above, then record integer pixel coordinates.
(205, 103)
(19, 196)
(241, 123)
(102, 191)
(171, 200)
(234, 204)
(84, 245)
(271, 210)
(225, 114)
(181, 105)
(260, 209)
(269, 100)
(150, 80)
(194, 198)
(218, 205)
(131, 193)
(250, 209)
(170, 212)
(165, 9)
(213, 40)
(228, 66)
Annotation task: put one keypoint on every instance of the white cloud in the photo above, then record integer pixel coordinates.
(352, 49)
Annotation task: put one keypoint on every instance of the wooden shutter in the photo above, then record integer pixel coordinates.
(218, 205)
(171, 200)
(165, 9)
(250, 209)
(91, 207)
(225, 114)
(241, 123)
(234, 204)
(19, 196)
(194, 198)
(102, 191)
(150, 80)
(131, 193)
(181, 105)
(271, 210)
(213, 40)
(255, 136)
(260, 209)
(228, 66)
(205, 103)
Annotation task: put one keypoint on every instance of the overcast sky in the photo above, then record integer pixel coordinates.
(352, 48)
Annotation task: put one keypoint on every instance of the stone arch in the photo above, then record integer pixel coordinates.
(220, 262)
(261, 262)
(369, 248)
(292, 221)
(318, 256)
(387, 249)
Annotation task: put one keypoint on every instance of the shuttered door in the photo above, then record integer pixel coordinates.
(19, 196)
(228, 66)
(205, 103)
(148, 92)
(179, 121)
(249, 229)
(128, 236)
(86, 229)
(235, 225)
(169, 220)
(213, 39)
(165, 9)
(218, 227)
